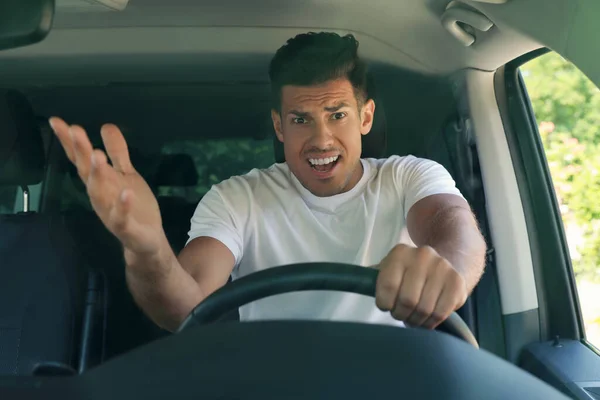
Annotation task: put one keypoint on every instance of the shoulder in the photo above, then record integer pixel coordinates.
(276, 177)
(410, 174)
(397, 160)
(237, 197)
(402, 165)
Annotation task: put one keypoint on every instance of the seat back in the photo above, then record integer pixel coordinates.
(127, 326)
(41, 294)
(41, 280)
(176, 171)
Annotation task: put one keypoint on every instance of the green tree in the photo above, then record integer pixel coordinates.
(567, 107)
(219, 159)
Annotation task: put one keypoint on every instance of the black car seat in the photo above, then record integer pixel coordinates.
(43, 284)
(176, 171)
(127, 325)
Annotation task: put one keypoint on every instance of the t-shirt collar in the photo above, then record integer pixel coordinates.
(331, 203)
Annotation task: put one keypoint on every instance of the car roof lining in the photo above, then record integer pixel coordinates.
(199, 44)
(404, 33)
(568, 27)
(407, 34)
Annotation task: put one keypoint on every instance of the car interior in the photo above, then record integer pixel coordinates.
(187, 84)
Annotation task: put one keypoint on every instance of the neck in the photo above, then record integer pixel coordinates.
(356, 176)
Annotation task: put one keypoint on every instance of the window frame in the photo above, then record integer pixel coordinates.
(560, 312)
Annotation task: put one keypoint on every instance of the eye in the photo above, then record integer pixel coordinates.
(338, 115)
(299, 120)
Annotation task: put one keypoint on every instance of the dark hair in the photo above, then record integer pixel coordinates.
(314, 58)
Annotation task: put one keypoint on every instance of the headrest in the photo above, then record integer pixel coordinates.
(373, 144)
(176, 170)
(22, 157)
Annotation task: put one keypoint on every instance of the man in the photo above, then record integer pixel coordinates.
(324, 204)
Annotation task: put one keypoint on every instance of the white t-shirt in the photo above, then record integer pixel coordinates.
(267, 219)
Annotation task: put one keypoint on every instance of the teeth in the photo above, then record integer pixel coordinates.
(322, 161)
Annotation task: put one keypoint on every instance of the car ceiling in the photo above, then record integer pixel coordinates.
(193, 40)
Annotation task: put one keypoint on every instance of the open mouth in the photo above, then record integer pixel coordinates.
(324, 164)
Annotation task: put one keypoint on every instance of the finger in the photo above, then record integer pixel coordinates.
(386, 289)
(425, 309)
(409, 293)
(389, 279)
(116, 147)
(61, 130)
(82, 151)
(444, 307)
(452, 298)
(103, 184)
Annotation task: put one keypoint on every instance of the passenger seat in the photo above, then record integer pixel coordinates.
(43, 284)
(176, 171)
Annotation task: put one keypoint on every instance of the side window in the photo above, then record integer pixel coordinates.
(567, 109)
(213, 160)
(216, 160)
(11, 199)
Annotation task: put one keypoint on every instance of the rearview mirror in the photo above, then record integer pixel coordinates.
(24, 22)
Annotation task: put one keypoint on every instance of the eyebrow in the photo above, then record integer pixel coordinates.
(336, 107)
(298, 113)
(328, 109)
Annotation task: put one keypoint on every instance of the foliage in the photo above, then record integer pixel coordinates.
(217, 160)
(214, 159)
(567, 107)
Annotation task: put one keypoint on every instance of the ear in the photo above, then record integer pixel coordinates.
(366, 116)
(276, 117)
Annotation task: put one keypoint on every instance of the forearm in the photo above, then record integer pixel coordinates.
(162, 287)
(454, 234)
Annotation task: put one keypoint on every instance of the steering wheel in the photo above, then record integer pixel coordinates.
(301, 277)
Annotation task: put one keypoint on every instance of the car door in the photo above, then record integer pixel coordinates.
(554, 155)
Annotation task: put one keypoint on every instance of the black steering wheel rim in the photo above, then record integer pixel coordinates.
(301, 277)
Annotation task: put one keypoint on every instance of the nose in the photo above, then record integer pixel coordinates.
(322, 137)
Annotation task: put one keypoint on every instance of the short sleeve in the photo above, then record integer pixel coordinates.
(421, 178)
(215, 218)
